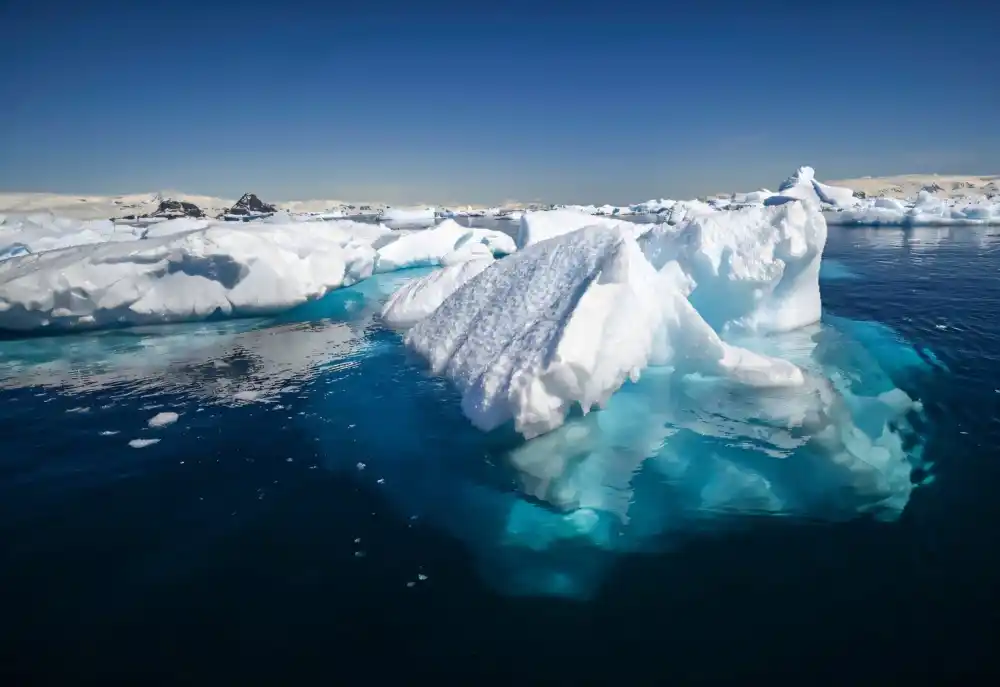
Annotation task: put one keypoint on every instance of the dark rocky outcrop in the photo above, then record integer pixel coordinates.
(177, 208)
(860, 194)
(170, 209)
(250, 204)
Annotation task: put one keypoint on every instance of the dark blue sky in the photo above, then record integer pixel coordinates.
(406, 101)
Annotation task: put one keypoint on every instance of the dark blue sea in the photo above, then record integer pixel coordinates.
(321, 512)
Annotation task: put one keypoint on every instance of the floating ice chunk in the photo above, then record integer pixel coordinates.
(39, 232)
(755, 269)
(227, 270)
(538, 226)
(403, 215)
(429, 246)
(803, 186)
(163, 419)
(142, 443)
(566, 322)
(421, 297)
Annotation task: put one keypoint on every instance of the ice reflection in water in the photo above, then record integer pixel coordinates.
(667, 458)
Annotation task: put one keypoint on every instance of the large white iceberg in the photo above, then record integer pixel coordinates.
(235, 270)
(192, 269)
(568, 320)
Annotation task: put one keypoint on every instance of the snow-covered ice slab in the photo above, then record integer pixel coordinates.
(35, 233)
(421, 297)
(219, 271)
(925, 210)
(429, 247)
(547, 224)
(408, 215)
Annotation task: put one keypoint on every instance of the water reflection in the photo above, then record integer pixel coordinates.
(226, 362)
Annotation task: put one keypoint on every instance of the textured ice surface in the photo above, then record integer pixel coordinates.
(538, 226)
(565, 322)
(192, 275)
(445, 242)
(421, 297)
(182, 270)
(755, 268)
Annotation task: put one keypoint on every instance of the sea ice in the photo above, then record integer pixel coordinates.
(428, 247)
(35, 233)
(408, 215)
(181, 270)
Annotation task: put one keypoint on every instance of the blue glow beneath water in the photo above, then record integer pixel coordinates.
(319, 487)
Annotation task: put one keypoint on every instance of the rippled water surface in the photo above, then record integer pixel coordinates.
(320, 508)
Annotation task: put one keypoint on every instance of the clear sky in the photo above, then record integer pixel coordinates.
(434, 101)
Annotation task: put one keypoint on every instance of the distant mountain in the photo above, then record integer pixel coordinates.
(250, 204)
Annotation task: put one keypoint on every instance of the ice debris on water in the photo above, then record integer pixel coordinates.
(142, 443)
(163, 419)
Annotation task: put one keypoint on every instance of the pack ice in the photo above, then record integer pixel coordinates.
(99, 275)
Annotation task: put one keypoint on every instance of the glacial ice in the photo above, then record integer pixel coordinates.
(421, 297)
(428, 247)
(756, 268)
(24, 234)
(184, 269)
(567, 320)
(538, 226)
(803, 186)
(925, 210)
(408, 215)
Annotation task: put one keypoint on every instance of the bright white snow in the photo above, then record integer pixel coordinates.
(567, 320)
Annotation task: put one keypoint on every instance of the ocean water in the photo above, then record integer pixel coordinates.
(320, 510)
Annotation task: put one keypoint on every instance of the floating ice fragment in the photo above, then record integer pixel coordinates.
(163, 419)
(142, 443)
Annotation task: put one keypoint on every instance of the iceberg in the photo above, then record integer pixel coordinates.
(421, 297)
(218, 271)
(566, 321)
(925, 210)
(546, 224)
(755, 269)
(39, 232)
(65, 274)
(429, 247)
(408, 215)
(803, 186)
